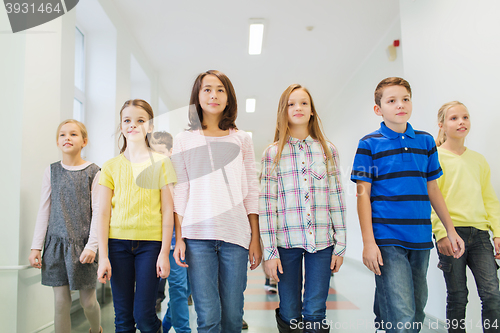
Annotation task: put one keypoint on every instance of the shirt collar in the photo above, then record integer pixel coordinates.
(390, 134)
(308, 141)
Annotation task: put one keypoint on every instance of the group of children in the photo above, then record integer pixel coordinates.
(208, 190)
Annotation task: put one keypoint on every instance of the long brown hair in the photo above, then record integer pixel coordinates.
(441, 137)
(196, 112)
(140, 104)
(282, 133)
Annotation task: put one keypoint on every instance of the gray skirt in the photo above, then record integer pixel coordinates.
(61, 264)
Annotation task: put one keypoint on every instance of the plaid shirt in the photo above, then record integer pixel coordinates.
(300, 205)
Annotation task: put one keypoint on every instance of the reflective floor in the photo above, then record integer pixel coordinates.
(349, 305)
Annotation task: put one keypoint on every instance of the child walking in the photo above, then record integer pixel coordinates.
(474, 210)
(177, 315)
(216, 202)
(135, 222)
(395, 169)
(302, 213)
(66, 228)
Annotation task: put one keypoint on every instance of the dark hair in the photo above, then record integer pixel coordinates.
(162, 138)
(140, 104)
(196, 112)
(390, 81)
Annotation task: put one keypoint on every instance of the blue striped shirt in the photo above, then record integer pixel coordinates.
(399, 165)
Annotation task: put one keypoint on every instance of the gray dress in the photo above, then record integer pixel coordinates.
(69, 228)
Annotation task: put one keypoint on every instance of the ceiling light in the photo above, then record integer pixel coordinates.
(256, 36)
(250, 105)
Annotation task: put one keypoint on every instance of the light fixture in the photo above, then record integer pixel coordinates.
(250, 105)
(256, 36)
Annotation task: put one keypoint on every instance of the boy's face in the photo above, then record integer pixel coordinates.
(161, 149)
(395, 107)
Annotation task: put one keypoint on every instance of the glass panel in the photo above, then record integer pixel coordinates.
(77, 110)
(79, 59)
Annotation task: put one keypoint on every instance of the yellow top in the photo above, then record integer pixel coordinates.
(467, 190)
(136, 201)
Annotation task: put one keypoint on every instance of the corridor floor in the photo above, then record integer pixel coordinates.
(349, 305)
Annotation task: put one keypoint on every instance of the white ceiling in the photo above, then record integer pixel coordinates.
(184, 38)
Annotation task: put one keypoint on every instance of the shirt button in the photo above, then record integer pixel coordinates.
(403, 137)
(308, 214)
(302, 162)
(406, 148)
(310, 233)
(305, 179)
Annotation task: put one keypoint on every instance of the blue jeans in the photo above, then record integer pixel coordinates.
(317, 284)
(479, 257)
(177, 315)
(401, 290)
(134, 284)
(218, 276)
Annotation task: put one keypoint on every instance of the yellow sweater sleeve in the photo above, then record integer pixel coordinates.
(490, 200)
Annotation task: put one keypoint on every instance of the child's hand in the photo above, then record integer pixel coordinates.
(457, 244)
(163, 265)
(444, 246)
(35, 258)
(254, 254)
(87, 256)
(180, 253)
(337, 261)
(496, 240)
(104, 270)
(372, 258)
(271, 268)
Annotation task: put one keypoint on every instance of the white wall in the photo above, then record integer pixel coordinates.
(100, 80)
(451, 52)
(35, 72)
(350, 116)
(37, 89)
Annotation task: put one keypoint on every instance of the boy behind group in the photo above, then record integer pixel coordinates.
(395, 169)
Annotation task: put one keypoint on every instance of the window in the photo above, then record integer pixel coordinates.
(79, 101)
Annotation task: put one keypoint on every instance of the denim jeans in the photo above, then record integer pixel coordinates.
(218, 276)
(177, 315)
(134, 284)
(317, 284)
(479, 257)
(401, 290)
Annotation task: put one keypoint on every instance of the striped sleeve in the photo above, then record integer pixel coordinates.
(433, 168)
(337, 205)
(268, 202)
(362, 168)
(251, 201)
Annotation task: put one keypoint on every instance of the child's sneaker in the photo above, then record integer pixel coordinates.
(271, 286)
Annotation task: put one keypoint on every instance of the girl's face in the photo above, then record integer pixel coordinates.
(456, 123)
(135, 123)
(299, 108)
(70, 139)
(212, 95)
